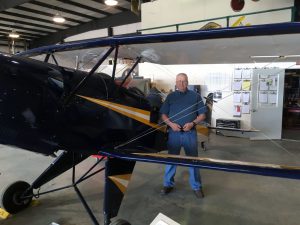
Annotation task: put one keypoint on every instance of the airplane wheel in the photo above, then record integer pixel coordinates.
(203, 146)
(120, 222)
(11, 200)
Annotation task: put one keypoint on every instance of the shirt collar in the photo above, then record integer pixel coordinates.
(182, 92)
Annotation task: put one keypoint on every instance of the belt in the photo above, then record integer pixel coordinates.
(181, 129)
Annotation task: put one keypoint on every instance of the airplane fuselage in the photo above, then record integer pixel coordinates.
(34, 115)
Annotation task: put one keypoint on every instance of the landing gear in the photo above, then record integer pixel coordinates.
(203, 146)
(119, 222)
(16, 197)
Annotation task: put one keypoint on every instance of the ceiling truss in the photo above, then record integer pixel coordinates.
(32, 19)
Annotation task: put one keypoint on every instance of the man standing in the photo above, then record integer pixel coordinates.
(182, 111)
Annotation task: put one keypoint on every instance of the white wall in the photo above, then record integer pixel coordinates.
(167, 12)
(124, 29)
(211, 77)
(87, 35)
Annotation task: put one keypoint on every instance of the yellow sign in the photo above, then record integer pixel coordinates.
(3, 214)
(239, 21)
(246, 86)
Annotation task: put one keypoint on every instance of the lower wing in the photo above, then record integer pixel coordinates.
(144, 155)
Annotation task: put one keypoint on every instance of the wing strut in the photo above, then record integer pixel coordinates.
(53, 57)
(132, 68)
(84, 80)
(115, 63)
(47, 57)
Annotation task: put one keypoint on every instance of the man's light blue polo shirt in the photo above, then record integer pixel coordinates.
(183, 107)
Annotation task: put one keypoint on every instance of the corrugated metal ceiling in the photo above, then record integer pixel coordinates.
(33, 19)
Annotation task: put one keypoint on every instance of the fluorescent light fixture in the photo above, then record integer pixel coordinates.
(58, 18)
(274, 56)
(111, 2)
(13, 34)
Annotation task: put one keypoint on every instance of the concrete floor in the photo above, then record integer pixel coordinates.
(229, 198)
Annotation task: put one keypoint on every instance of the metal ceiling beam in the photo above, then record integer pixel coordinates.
(20, 39)
(24, 34)
(45, 13)
(50, 22)
(35, 30)
(7, 40)
(42, 4)
(16, 21)
(85, 7)
(119, 19)
(4, 34)
(6, 4)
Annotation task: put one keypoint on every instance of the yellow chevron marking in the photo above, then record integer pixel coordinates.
(210, 25)
(3, 214)
(238, 21)
(140, 115)
(121, 181)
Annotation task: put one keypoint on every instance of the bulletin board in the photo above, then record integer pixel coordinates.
(267, 89)
(241, 87)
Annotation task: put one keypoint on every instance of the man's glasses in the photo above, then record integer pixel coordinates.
(181, 81)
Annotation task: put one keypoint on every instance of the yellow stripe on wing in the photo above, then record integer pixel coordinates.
(140, 115)
(121, 181)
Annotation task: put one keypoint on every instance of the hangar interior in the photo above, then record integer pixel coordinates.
(255, 82)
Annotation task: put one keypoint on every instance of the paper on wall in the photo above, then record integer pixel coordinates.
(246, 97)
(246, 85)
(263, 97)
(246, 74)
(237, 97)
(246, 109)
(263, 86)
(272, 98)
(237, 74)
(273, 83)
(237, 85)
(237, 110)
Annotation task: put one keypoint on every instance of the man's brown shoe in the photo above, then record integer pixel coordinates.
(199, 193)
(166, 190)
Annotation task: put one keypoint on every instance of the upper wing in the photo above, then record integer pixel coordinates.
(196, 46)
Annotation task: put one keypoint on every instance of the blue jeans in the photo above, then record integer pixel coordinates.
(187, 140)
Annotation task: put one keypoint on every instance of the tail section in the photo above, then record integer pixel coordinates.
(117, 177)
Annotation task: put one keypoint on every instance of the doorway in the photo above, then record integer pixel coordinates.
(291, 105)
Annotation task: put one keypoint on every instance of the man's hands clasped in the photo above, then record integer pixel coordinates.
(177, 127)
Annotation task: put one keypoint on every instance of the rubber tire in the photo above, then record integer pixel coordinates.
(10, 195)
(203, 146)
(120, 222)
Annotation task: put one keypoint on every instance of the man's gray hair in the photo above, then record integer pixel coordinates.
(183, 74)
